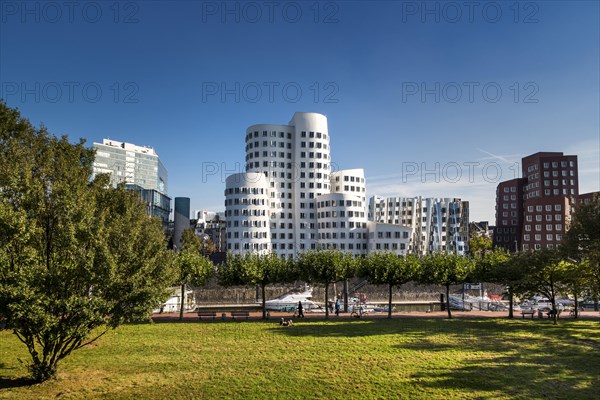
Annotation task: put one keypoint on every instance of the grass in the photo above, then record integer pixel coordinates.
(404, 358)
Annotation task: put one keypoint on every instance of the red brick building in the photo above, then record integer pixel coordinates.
(509, 214)
(549, 191)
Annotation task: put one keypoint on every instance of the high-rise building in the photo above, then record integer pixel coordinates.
(140, 169)
(541, 213)
(436, 224)
(289, 200)
(131, 164)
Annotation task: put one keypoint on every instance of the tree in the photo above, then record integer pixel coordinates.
(77, 257)
(582, 242)
(256, 269)
(390, 269)
(479, 244)
(575, 279)
(498, 266)
(194, 268)
(326, 267)
(544, 270)
(445, 269)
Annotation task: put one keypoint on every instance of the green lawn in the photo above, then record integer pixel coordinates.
(344, 359)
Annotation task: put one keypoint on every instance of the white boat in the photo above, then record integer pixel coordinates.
(289, 302)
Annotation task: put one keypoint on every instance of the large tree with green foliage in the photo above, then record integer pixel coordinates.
(544, 271)
(194, 268)
(582, 242)
(391, 270)
(326, 267)
(445, 269)
(77, 257)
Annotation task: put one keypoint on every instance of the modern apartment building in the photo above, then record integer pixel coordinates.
(290, 200)
(131, 164)
(140, 169)
(543, 209)
(435, 224)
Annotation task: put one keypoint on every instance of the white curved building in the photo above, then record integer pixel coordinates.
(289, 200)
(247, 212)
(294, 161)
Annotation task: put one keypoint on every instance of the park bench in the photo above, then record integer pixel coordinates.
(240, 314)
(207, 314)
(527, 312)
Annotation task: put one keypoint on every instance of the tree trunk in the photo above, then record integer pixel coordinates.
(448, 301)
(554, 310)
(182, 302)
(390, 302)
(510, 302)
(346, 295)
(326, 301)
(264, 302)
(576, 305)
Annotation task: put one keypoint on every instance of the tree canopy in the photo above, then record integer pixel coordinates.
(77, 257)
(391, 270)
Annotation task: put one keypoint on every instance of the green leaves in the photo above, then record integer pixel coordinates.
(75, 255)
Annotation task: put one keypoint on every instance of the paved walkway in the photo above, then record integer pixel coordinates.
(275, 315)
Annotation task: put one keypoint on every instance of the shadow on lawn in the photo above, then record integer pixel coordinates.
(516, 358)
(7, 383)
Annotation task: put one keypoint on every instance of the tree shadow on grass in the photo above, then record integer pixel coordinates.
(8, 383)
(517, 359)
(552, 364)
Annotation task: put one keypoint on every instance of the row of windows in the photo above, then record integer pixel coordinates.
(255, 134)
(341, 214)
(510, 189)
(245, 212)
(538, 246)
(312, 145)
(562, 164)
(557, 217)
(268, 143)
(342, 225)
(281, 164)
(538, 227)
(388, 246)
(312, 135)
(538, 237)
(244, 201)
(334, 203)
(271, 154)
(547, 207)
(244, 190)
(311, 154)
(348, 178)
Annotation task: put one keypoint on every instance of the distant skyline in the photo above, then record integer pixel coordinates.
(435, 99)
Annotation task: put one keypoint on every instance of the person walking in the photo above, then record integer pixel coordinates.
(300, 311)
(337, 307)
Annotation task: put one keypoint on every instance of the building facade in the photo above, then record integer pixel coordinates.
(436, 224)
(509, 215)
(131, 164)
(543, 201)
(140, 169)
(290, 200)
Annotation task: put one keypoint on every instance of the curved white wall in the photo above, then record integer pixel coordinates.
(247, 212)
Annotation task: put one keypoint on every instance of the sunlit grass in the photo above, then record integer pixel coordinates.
(400, 358)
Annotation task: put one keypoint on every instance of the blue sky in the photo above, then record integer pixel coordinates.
(430, 98)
